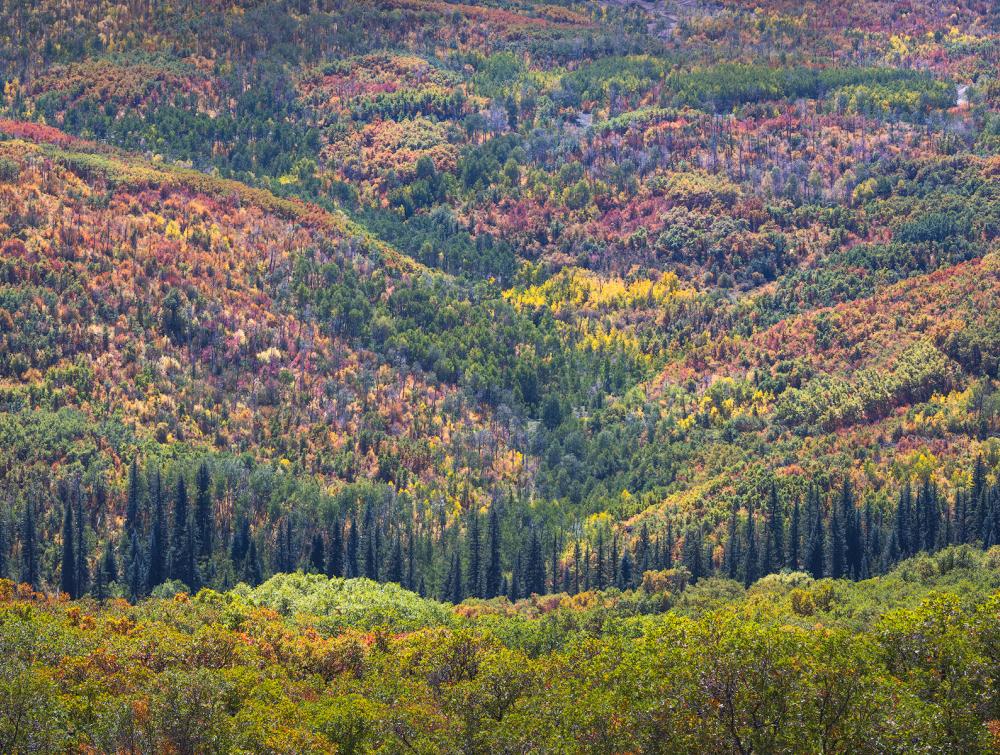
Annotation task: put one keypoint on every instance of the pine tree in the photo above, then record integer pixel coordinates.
(668, 550)
(534, 577)
(643, 554)
(82, 570)
(902, 526)
(837, 548)
(625, 571)
(851, 533)
(733, 544)
(317, 555)
(109, 565)
(475, 556)
(134, 568)
(775, 544)
(977, 496)
(613, 560)
(133, 509)
(554, 570)
(180, 544)
(4, 544)
(251, 568)
(29, 548)
(514, 586)
(67, 582)
(156, 556)
(599, 573)
(576, 567)
(815, 555)
(351, 567)
(693, 553)
(750, 559)
(335, 551)
(203, 515)
(457, 585)
(395, 573)
(411, 574)
(794, 537)
(492, 588)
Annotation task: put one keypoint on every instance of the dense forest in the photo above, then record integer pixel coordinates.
(336, 337)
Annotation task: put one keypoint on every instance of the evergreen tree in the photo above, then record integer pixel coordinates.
(133, 510)
(625, 571)
(554, 569)
(395, 573)
(732, 564)
(351, 568)
(335, 554)
(693, 553)
(134, 568)
(457, 584)
(851, 533)
(203, 514)
(156, 557)
(599, 572)
(4, 544)
(67, 582)
(643, 552)
(774, 547)
(251, 568)
(410, 560)
(837, 549)
(514, 586)
(317, 555)
(492, 588)
(109, 565)
(750, 559)
(82, 570)
(576, 567)
(794, 537)
(534, 577)
(902, 526)
(668, 550)
(241, 541)
(29, 548)
(815, 556)
(475, 556)
(181, 545)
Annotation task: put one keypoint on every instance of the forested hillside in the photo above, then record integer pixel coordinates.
(489, 301)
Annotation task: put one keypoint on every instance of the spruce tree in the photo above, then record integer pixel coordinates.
(203, 514)
(534, 577)
(251, 571)
(815, 552)
(351, 567)
(493, 576)
(4, 544)
(625, 571)
(837, 547)
(599, 571)
(668, 549)
(395, 572)
(29, 548)
(180, 544)
(733, 544)
(458, 584)
(750, 559)
(694, 553)
(335, 551)
(82, 555)
(576, 567)
(317, 555)
(775, 546)
(794, 537)
(67, 582)
(156, 552)
(475, 556)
